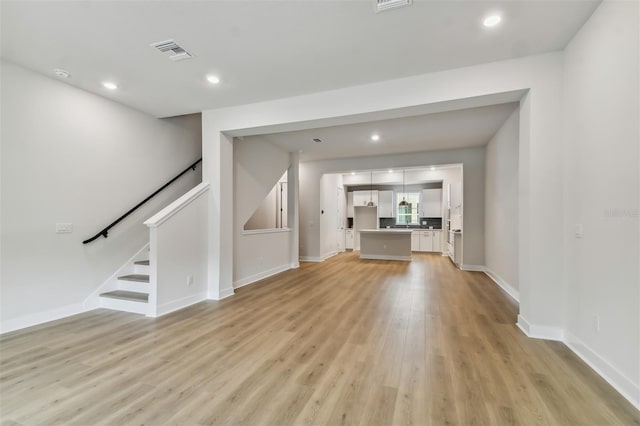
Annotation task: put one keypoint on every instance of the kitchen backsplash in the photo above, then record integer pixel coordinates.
(435, 222)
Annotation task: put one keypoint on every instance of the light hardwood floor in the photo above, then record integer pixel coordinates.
(341, 342)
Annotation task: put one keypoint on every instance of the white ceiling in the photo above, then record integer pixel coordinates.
(462, 128)
(268, 49)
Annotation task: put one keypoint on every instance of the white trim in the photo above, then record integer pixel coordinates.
(472, 268)
(30, 320)
(624, 385)
(224, 293)
(111, 283)
(515, 294)
(316, 258)
(165, 214)
(265, 231)
(260, 276)
(176, 305)
(540, 331)
(295, 265)
(384, 257)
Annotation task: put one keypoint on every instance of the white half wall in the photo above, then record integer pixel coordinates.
(178, 253)
(258, 166)
(501, 204)
(601, 164)
(69, 156)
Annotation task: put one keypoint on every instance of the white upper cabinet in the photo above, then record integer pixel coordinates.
(454, 195)
(432, 203)
(349, 204)
(385, 204)
(361, 198)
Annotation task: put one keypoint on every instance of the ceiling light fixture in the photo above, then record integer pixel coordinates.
(403, 203)
(213, 79)
(370, 203)
(109, 85)
(492, 21)
(61, 73)
(375, 137)
(353, 173)
(432, 168)
(390, 171)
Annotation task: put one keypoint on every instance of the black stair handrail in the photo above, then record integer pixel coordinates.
(105, 231)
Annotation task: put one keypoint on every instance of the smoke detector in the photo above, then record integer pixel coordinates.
(385, 5)
(61, 73)
(171, 49)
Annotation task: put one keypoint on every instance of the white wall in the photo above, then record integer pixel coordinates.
(258, 166)
(71, 156)
(601, 89)
(501, 205)
(265, 215)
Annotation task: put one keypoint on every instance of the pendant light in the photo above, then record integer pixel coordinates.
(403, 203)
(370, 203)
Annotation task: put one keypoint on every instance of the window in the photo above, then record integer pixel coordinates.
(409, 214)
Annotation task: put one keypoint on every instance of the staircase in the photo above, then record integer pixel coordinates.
(132, 294)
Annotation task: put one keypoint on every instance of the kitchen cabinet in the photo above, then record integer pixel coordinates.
(385, 204)
(415, 241)
(454, 195)
(350, 204)
(455, 247)
(426, 240)
(431, 203)
(361, 198)
(348, 239)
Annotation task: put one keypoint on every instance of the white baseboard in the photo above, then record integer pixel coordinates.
(540, 331)
(25, 321)
(384, 257)
(260, 276)
(503, 284)
(472, 268)
(317, 258)
(182, 303)
(224, 293)
(624, 385)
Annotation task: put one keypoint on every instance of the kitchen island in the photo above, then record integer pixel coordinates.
(385, 244)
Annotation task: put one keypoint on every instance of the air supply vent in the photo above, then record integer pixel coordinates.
(384, 5)
(171, 49)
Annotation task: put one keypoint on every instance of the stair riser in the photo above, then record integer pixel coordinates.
(136, 286)
(142, 269)
(124, 305)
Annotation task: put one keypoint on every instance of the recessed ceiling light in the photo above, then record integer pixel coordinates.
(61, 73)
(492, 20)
(390, 171)
(213, 79)
(375, 137)
(353, 173)
(432, 168)
(109, 85)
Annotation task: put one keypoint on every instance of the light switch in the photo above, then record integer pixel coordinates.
(578, 230)
(64, 228)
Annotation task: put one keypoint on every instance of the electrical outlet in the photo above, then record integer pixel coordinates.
(189, 279)
(578, 230)
(64, 228)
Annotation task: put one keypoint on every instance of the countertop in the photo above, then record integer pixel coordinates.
(388, 231)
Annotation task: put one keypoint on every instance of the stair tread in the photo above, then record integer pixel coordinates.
(135, 277)
(141, 262)
(127, 295)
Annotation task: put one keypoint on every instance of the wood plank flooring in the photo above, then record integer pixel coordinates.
(343, 342)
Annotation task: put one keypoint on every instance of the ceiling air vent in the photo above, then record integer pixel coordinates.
(384, 5)
(171, 49)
